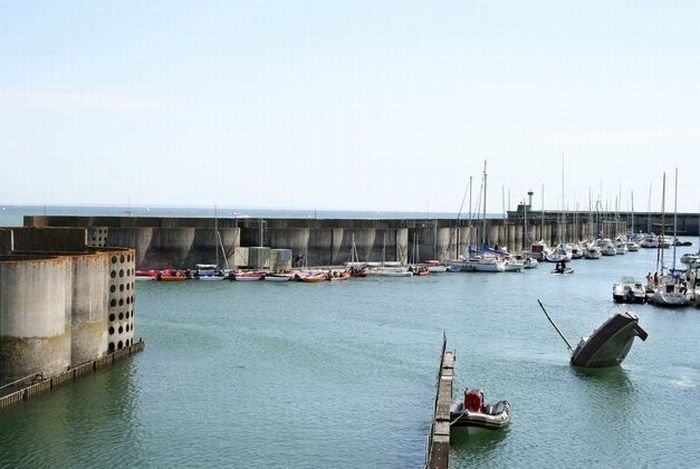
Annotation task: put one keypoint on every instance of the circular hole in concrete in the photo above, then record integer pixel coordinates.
(121, 272)
(121, 316)
(114, 259)
(111, 330)
(121, 302)
(121, 330)
(112, 288)
(121, 258)
(112, 317)
(113, 303)
(120, 345)
(111, 347)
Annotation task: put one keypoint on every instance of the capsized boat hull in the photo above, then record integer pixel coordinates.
(610, 343)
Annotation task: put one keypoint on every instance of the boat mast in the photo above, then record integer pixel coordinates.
(649, 211)
(675, 217)
(483, 222)
(471, 213)
(563, 207)
(660, 247)
(216, 235)
(632, 209)
(542, 226)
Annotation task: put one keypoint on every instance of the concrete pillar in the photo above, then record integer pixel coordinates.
(89, 303)
(34, 334)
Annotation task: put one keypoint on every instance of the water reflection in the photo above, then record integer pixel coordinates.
(612, 378)
(78, 424)
(467, 443)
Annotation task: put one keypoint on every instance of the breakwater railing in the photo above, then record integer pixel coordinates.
(438, 446)
(45, 385)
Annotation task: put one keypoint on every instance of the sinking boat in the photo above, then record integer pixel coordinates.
(472, 411)
(608, 345)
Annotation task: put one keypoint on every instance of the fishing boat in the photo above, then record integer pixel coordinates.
(608, 345)
(629, 290)
(473, 411)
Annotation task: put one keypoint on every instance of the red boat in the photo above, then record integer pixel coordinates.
(248, 276)
(171, 276)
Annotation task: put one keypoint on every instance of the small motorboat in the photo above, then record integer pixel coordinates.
(146, 275)
(171, 276)
(562, 269)
(629, 290)
(278, 277)
(472, 411)
(336, 275)
(310, 276)
(251, 276)
(358, 271)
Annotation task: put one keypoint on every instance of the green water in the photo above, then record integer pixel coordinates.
(343, 375)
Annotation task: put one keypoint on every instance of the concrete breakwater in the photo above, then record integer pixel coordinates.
(163, 242)
(63, 302)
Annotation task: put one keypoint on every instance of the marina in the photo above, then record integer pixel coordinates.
(228, 352)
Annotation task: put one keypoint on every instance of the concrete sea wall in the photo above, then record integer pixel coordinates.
(183, 242)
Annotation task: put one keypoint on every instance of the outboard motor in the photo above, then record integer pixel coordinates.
(473, 400)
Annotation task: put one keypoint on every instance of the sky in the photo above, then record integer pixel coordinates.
(350, 105)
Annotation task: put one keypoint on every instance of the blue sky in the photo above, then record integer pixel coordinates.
(366, 105)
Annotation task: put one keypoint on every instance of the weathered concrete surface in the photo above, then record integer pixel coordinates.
(184, 242)
(59, 239)
(90, 297)
(35, 335)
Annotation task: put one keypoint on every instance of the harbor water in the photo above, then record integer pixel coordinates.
(342, 374)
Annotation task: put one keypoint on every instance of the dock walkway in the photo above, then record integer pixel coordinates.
(438, 450)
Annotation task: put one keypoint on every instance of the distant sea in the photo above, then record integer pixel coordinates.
(13, 215)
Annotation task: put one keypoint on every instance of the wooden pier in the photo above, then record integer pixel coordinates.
(41, 385)
(438, 448)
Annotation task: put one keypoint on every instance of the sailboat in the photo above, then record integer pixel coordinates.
(670, 291)
(387, 270)
(214, 272)
(485, 259)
